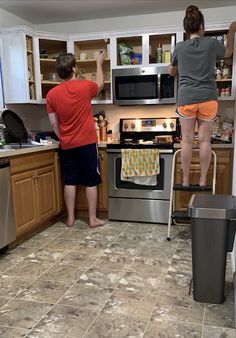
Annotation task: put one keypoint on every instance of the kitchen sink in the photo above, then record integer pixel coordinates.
(13, 146)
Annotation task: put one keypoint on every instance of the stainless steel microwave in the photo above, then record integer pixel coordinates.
(144, 85)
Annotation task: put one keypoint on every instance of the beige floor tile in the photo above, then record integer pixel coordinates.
(168, 329)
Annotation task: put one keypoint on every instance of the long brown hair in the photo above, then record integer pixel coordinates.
(193, 20)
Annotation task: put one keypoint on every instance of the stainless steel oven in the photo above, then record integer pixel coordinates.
(134, 202)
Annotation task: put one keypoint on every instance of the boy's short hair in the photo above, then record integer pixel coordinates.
(64, 65)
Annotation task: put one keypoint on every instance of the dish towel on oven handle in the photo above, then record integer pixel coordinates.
(140, 166)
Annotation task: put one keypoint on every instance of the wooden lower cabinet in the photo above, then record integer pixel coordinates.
(24, 201)
(46, 193)
(102, 205)
(34, 191)
(223, 176)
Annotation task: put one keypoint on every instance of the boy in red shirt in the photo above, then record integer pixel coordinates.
(70, 114)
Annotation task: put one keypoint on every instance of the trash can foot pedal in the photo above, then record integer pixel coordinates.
(192, 187)
(180, 215)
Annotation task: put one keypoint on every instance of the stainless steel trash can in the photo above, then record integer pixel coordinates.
(213, 231)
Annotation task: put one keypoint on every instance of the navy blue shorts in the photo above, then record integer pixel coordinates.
(80, 165)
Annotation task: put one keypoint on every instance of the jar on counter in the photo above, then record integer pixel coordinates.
(2, 135)
(103, 133)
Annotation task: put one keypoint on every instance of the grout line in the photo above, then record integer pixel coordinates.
(203, 320)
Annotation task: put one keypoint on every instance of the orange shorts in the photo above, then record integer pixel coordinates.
(203, 111)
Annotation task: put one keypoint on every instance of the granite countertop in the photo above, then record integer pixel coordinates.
(102, 144)
(16, 152)
(214, 145)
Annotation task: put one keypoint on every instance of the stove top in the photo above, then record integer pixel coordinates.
(146, 133)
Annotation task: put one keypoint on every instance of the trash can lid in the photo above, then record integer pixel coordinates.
(212, 206)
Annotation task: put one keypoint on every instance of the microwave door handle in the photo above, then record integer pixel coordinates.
(159, 86)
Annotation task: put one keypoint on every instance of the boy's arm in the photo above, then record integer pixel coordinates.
(100, 74)
(54, 123)
(173, 70)
(230, 40)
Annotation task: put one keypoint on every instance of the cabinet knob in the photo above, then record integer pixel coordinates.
(101, 156)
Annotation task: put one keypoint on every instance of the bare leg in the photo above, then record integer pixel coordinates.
(204, 135)
(91, 194)
(188, 132)
(69, 195)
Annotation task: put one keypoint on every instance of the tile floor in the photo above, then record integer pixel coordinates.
(121, 280)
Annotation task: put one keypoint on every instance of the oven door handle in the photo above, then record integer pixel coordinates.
(161, 151)
(114, 172)
(159, 86)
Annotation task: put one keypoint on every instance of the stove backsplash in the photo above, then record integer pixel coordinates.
(35, 116)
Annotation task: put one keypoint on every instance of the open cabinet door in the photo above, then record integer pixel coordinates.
(2, 97)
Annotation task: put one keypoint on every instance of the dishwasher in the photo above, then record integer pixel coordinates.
(7, 224)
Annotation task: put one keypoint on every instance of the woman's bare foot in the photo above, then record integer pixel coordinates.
(97, 222)
(202, 181)
(70, 222)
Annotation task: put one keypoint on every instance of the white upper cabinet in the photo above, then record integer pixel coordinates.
(28, 64)
(85, 51)
(28, 59)
(48, 48)
(18, 66)
(145, 49)
(224, 71)
(2, 95)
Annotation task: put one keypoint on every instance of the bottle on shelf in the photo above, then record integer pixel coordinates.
(159, 53)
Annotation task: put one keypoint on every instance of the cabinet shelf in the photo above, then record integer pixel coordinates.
(50, 83)
(31, 81)
(47, 60)
(224, 80)
(90, 61)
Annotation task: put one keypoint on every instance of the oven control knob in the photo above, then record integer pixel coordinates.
(172, 125)
(132, 126)
(126, 126)
(164, 125)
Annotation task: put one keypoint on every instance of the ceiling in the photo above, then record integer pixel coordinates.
(53, 11)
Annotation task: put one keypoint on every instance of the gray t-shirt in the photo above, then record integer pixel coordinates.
(196, 60)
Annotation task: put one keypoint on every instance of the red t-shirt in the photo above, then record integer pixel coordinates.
(71, 101)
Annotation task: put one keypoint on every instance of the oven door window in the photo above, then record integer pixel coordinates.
(136, 87)
(167, 86)
(129, 185)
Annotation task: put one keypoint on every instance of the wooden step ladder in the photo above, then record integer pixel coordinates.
(175, 215)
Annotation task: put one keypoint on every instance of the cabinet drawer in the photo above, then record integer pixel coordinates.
(29, 162)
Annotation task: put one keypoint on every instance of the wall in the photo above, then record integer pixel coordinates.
(7, 20)
(34, 116)
(213, 15)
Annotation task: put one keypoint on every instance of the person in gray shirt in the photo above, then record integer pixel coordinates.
(194, 60)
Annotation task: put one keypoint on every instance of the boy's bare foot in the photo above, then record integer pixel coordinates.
(70, 222)
(97, 223)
